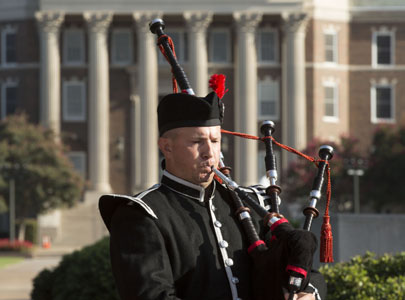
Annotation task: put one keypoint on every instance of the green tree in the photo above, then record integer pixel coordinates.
(383, 184)
(43, 175)
(298, 180)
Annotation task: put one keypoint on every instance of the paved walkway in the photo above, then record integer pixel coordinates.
(16, 279)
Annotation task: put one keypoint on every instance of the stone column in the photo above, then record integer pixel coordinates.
(147, 90)
(197, 23)
(294, 120)
(135, 132)
(49, 25)
(99, 100)
(246, 96)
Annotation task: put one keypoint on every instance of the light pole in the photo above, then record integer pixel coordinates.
(356, 173)
(12, 209)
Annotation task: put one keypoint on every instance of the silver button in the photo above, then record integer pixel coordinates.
(229, 262)
(213, 208)
(235, 280)
(223, 244)
(217, 223)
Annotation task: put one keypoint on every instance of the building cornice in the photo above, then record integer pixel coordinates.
(381, 14)
(171, 6)
(354, 68)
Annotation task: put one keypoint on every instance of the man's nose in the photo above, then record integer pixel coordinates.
(208, 150)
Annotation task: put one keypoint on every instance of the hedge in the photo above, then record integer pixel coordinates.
(86, 275)
(367, 277)
(82, 275)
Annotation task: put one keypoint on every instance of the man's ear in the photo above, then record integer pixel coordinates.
(165, 146)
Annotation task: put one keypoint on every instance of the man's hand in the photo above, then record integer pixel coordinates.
(301, 296)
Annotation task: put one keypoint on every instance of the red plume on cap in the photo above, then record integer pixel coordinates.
(217, 83)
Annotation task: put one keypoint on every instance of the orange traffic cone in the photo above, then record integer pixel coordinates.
(46, 242)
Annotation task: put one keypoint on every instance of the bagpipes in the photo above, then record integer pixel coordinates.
(284, 259)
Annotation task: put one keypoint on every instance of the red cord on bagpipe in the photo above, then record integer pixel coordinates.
(326, 241)
(171, 44)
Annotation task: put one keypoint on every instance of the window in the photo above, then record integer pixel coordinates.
(219, 50)
(179, 38)
(267, 45)
(78, 159)
(331, 48)
(73, 47)
(383, 48)
(331, 101)
(268, 100)
(121, 47)
(382, 104)
(74, 101)
(9, 46)
(9, 100)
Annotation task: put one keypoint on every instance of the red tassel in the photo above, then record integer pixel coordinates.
(217, 83)
(326, 250)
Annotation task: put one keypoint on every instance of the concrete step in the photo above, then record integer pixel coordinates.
(54, 251)
(80, 225)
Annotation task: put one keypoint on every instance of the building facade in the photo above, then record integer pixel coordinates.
(91, 71)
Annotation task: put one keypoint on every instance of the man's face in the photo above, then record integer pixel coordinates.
(191, 151)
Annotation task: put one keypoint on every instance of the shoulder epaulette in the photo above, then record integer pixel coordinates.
(109, 203)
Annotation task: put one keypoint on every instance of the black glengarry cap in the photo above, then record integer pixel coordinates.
(184, 110)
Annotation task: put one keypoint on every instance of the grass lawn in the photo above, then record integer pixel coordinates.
(7, 260)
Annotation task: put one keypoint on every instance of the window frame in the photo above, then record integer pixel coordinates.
(83, 116)
(335, 101)
(335, 48)
(276, 46)
(6, 31)
(82, 50)
(276, 84)
(211, 47)
(4, 99)
(374, 99)
(374, 48)
(114, 48)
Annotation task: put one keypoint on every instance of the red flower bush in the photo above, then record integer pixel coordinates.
(7, 245)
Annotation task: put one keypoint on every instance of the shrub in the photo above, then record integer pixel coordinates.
(86, 275)
(83, 275)
(19, 246)
(367, 278)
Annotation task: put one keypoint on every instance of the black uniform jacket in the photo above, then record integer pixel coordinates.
(170, 243)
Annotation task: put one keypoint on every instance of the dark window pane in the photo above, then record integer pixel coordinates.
(384, 103)
(11, 50)
(11, 100)
(122, 47)
(267, 43)
(219, 47)
(384, 49)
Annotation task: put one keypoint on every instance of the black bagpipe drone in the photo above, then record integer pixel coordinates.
(284, 261)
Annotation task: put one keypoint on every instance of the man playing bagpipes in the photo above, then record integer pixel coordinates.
(181, 238)
(185, 238)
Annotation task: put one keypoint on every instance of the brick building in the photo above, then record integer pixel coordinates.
(90, 70)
